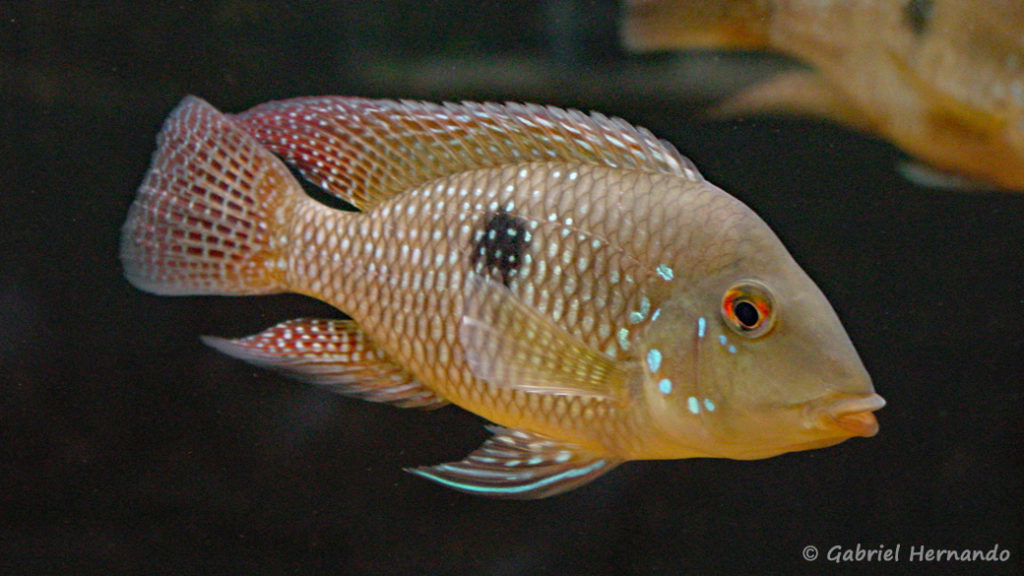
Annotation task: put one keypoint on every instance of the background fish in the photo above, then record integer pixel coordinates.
(943, 79)
(569, 277)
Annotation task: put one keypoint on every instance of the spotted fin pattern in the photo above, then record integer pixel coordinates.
(332, 353)
(518, 465)
(205, 216)
(365, 151)
(508, 343)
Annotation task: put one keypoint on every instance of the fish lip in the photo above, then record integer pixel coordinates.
(855, 413)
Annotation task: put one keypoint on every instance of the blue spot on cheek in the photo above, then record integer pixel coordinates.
(702, 327)
(693, 405)
(665, 272)
(653, 359)
(656, 314)
(722, 339)
(665, 385)
(709, 405)
(623, 337)
(732, 349)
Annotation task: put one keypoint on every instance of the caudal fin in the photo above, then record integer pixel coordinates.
(210, 210)
(688, 24)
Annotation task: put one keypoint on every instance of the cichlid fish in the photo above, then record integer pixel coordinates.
(567, 276)
(942, 79)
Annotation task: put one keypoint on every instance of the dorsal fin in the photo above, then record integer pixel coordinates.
(364, 151)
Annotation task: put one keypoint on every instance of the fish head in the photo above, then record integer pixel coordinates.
(753, 361)
(783, 368)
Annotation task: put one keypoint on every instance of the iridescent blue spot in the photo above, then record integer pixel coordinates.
(702, 327)
(635, 317)
(623, 338)
(722, 339)
(653, 360)
(656, 314)
(732, 349)
(693, 405)
(709, 405)
(665, 272)
(665, 385)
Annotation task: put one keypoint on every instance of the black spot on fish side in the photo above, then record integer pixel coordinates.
(917, 13)
(499, 246)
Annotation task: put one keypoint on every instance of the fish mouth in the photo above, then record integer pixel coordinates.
(854, 413)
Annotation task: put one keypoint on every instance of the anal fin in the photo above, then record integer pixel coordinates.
(331, 353)
(519, 465)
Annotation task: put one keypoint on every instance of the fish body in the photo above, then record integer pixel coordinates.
(943, 79)
(570, 278)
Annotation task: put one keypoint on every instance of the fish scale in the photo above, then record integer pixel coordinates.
(393, 296)
(566, 276)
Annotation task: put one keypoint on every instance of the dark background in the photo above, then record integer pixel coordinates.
(129, 447)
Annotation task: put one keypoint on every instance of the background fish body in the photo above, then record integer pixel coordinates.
(561, 275)
(943, 79)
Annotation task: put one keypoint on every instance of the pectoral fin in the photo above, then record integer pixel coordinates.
(508, 343)
(519, 465)
(331, 353)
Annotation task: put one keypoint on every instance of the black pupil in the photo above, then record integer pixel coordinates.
(746, 313)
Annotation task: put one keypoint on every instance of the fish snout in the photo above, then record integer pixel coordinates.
(854, 414)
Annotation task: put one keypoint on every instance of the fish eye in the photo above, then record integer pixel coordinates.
(749, 309)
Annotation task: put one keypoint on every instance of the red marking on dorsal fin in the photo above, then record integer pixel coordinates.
(365, 151)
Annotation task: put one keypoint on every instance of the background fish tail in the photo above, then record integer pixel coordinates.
(206, 218)
(687, 24)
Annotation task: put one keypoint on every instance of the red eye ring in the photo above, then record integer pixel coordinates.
(749, 309)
